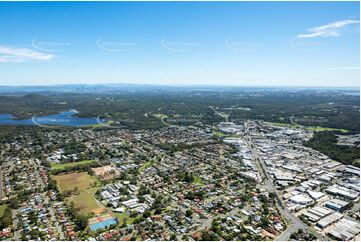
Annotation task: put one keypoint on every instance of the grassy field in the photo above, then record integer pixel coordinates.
(310, 128)
(107, 123)
(2, 209)
(224, 135)
(62, 166)
(145, 166)
(84, 200)
(160, 115)
(124, 217)
(150, 163)
(5, 216)
(318, 128)
(198, 180)
(219, 134)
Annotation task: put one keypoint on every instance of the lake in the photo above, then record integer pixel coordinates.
(66, 118)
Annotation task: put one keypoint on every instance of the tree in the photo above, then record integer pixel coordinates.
(81, 221)
(264, 222)
(13, 203)
(146, 214)
(209, 236)
(189, 213)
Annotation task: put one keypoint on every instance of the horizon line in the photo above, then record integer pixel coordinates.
(173, 85)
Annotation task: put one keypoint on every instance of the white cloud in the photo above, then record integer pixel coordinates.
(9, 54)
(331, 29)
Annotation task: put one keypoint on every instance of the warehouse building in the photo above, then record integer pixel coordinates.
(301, 199)
(327, 221)
(337, 204)
(352, 169)
(345, 230)
(343, 192)
(317, 213)
(316, 195)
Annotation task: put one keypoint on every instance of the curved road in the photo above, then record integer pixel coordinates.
(293, 122)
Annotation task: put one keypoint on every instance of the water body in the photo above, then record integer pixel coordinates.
(66, 118)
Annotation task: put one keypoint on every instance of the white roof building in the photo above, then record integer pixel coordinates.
(316, 195)
(301, 199)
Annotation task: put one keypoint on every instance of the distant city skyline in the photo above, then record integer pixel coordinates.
(180, 43)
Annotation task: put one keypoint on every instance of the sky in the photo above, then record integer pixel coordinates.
(180, 43)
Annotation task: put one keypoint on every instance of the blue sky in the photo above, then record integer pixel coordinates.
(225, 43)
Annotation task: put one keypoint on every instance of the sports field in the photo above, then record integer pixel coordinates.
(310, 128)
(84, 200)
(62, 166)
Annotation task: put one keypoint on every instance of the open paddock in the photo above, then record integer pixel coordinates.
(86, 187)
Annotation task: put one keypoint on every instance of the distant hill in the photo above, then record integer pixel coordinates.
(126, 88)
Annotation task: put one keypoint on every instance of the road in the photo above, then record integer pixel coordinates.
(293, 121)
(53, 217)
(15, 225)
(296, 223)
(1, 178)
(165, 123)
(223, 115)
(1, 184)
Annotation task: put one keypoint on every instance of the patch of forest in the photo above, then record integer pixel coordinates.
(326, 143)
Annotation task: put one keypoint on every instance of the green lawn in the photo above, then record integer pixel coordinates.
(198, 180)
(125, 217)
(145, 166)
(62, 166)
(2, 209)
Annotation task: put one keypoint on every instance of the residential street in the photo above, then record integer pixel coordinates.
(53, 218)
(15, 225)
